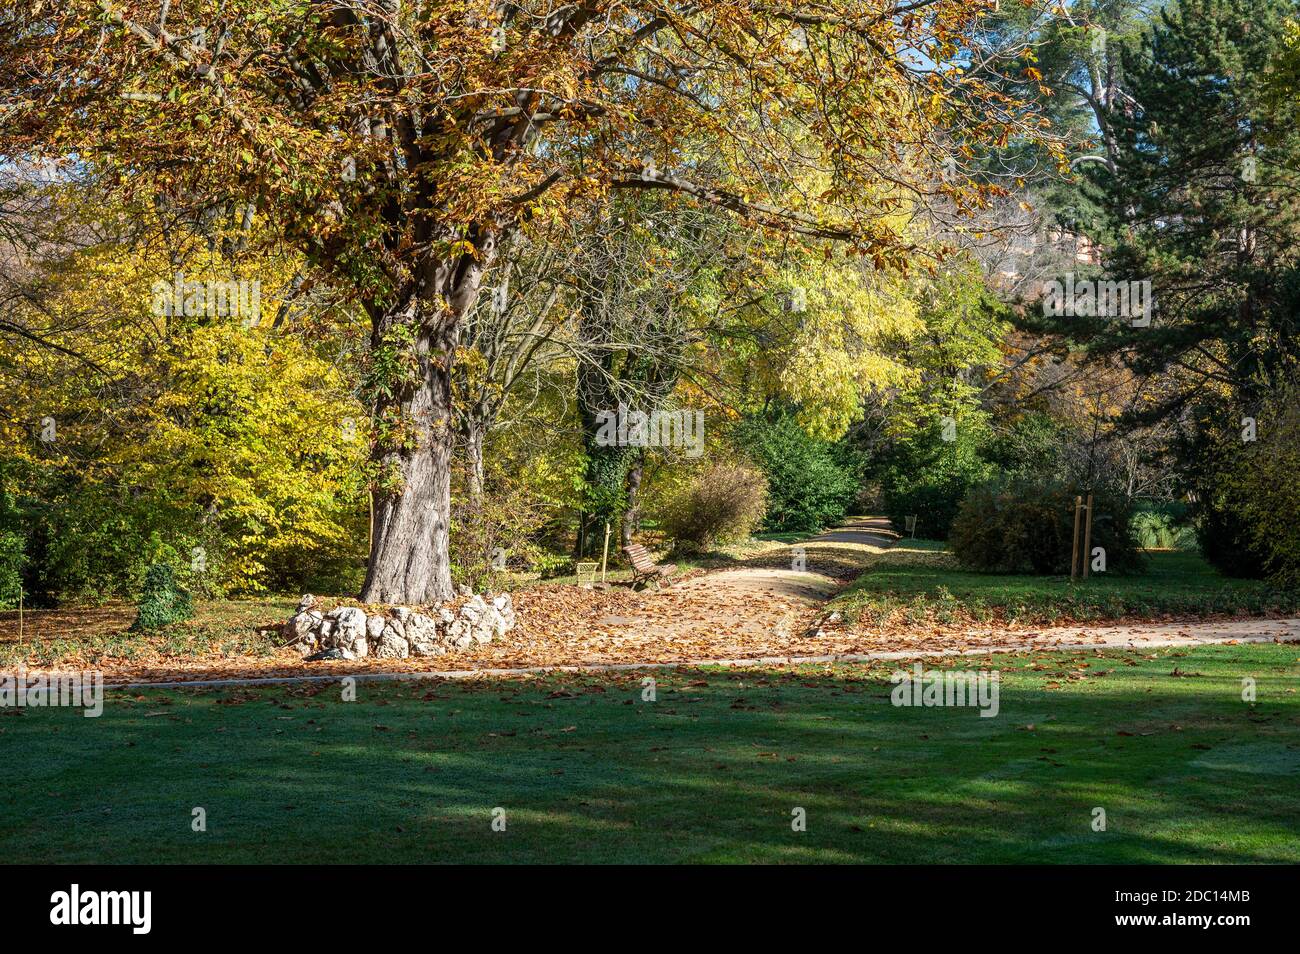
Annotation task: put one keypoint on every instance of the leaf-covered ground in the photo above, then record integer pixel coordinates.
(755, 604)
(711, 771)
(769, 601)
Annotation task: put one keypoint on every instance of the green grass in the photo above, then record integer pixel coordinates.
(917, 580)
(587, 771)
(788, 536)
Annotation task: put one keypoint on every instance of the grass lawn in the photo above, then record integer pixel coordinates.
(918, 580)
(587, 771)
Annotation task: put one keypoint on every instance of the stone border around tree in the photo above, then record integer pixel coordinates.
(350, 632)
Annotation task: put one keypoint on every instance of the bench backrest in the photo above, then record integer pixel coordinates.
(639, 556)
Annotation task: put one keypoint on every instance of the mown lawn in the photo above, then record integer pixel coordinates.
(918, 580)
(709, 772)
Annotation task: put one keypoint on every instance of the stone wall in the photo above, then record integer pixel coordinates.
(399, 632)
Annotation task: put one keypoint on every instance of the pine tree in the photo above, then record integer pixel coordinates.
(1203, 204)
(1203, 200)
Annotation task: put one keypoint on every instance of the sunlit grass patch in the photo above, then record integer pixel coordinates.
(918, 581)
(586, 769)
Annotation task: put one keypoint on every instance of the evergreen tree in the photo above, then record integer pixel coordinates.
(1202, 204)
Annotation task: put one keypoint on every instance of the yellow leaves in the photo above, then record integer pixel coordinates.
(203, 410)
(844, 346)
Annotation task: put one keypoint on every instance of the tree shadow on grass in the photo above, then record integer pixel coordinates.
(714, 770)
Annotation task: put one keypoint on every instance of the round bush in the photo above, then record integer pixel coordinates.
(162, 601)
(721, 503)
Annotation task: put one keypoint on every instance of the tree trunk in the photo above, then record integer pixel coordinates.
(410, 558)
(474, 435)
(632, 513)
(409, 552)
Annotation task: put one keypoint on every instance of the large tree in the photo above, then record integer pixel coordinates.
(398, 144)
(1202, 204)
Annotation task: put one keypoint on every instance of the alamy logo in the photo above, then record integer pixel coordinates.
(939, 687)
(1088, 298)
(624, 428)
(240, 298)
(103, 907)
(56, 689)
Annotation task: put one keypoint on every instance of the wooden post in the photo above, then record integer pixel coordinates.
(1074, 556)
(1087, 540)
(604, 557)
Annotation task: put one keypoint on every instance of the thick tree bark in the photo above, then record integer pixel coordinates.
(410, 556)
(475, 432)
(632, 513)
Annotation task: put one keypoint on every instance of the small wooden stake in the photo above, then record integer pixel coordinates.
(1074, 556)
(1087, 540)
(604, 557)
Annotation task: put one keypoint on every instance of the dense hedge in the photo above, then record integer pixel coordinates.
(1028, 527)
(810, 484)
(928, 477)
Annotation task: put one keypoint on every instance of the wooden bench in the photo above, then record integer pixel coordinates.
(643, 567)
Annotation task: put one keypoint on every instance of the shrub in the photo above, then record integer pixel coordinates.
(162, 601)
(721, 503)
(1247, 523)
(928, 477)
(809, 486)
(12, 558)
(1163, 527)
(1226, 542)
(1028, 527)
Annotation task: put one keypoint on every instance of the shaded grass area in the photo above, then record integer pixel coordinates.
(710, 771)
(918, 581)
